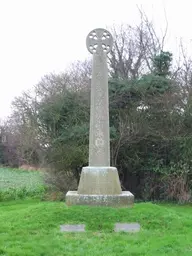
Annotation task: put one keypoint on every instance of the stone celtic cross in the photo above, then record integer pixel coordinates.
(99, 40)
(99, 182)
(99, 43)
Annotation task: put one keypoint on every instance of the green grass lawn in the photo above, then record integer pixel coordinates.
(33, 228)
(15, 184)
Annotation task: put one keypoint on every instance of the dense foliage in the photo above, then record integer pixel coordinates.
(150, 120)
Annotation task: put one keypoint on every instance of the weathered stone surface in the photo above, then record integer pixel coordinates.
(127, 227)
(73, 228)
(99, 42)
(99, 181)
(125, 199)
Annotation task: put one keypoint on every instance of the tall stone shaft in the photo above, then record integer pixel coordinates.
(99, 141)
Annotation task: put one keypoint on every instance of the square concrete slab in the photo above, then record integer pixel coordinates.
(73, 228)
(127, 227)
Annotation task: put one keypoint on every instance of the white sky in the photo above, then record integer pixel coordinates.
(42, 36)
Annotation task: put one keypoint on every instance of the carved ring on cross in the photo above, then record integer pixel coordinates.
(99, 40)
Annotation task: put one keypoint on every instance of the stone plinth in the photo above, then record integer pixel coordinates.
(99, 181)
(125, 199)
(100, 186)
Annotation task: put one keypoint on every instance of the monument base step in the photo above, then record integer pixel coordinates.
(125, 199)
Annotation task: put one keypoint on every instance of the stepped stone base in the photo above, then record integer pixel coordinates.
(125, 199)
(100, 186)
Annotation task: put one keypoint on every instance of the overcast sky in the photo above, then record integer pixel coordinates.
(42, 36)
